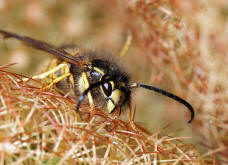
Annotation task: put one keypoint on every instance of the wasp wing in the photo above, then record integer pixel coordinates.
(59, 53)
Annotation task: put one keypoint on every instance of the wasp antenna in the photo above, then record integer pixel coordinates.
(82, 96)
(170, 95)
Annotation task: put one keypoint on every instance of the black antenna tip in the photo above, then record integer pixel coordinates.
(192, 113)
(190, 121)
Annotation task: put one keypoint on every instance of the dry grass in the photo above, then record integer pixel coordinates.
(42, 127)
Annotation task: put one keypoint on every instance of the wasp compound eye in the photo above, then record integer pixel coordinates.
(107, 88)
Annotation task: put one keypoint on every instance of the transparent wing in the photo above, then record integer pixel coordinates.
(59, 53)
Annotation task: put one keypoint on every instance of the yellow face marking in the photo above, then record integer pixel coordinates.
(117, 96)
(110, 106)
(112, 83)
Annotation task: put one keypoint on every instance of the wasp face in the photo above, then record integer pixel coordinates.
(115, 92)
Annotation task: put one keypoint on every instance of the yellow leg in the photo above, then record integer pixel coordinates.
(86, 85)
(58, 80)
(45, 74)
(63, 68)
(126, 45)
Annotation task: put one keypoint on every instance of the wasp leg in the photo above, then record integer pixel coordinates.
(86, 85)
(58, 80)
(64, 70)
(46, 74)
(52, 71)
(50, 75)
(126, 45)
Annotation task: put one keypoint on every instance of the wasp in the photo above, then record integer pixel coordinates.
(93, 75)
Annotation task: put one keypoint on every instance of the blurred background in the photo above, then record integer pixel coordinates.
(179, 46)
